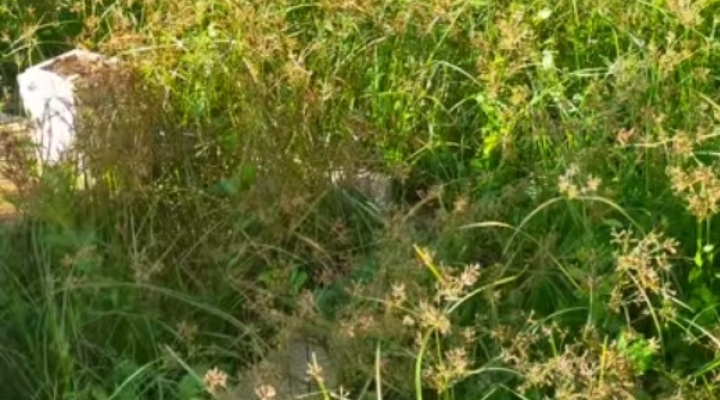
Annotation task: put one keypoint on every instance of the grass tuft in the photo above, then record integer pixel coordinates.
(367, 200)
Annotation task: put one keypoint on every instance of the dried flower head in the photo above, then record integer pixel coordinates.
(571, 186)
(265, 392)
(453, 368)
(315, 370)
(642, 266)
(433, 318)
(699, 187)
(341, 394)
(453, 286)
(397, 295)
(215, 381)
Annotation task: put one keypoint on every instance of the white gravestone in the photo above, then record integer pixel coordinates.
(48, 95)
(48, 100)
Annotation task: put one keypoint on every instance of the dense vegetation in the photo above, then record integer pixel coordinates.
(555, 184)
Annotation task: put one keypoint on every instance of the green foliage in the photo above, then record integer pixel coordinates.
(551, 233)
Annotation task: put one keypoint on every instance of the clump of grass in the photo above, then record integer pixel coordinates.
(539, 150)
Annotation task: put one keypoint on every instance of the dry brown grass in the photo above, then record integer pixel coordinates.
(11, 129)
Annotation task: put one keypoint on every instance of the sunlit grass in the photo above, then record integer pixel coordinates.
(552, 167)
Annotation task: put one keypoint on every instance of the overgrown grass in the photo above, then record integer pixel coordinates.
(551, 233)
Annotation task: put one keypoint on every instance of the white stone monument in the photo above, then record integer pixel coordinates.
(48, 95)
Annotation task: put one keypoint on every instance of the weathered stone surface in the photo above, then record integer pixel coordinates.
(285, 370)
(375, 186)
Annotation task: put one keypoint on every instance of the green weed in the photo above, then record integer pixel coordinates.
(548, 174)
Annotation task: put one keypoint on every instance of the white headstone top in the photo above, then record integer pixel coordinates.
(49, 101)
(48, 97)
